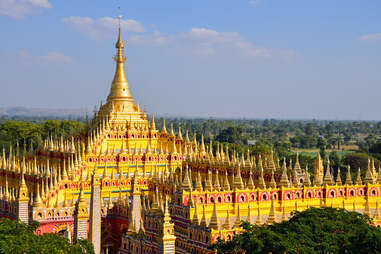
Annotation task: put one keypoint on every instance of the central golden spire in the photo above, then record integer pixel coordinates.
(119, 87)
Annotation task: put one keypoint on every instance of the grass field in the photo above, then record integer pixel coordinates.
(313, 152)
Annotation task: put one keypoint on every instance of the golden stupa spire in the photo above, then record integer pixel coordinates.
(261, 182)
(338, 178)
(271, 219)
(358, 179)
(227, 224)
(284, 179)
(348, 179)
(237, 223)
(195, 219)
(203, 219)
(238, 183)
(272, 183)
(226, 186)
(248, 218)
(214, 222)
(376, 215)
(250, 183)
(37, 200)
(328, 178)
(217, 182)
(307, 181)
(259, 219)
(119, 87)
(199, 182)
(284, 216)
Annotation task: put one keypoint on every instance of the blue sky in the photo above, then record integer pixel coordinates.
(208, 58)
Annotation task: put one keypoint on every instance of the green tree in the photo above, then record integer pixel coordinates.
(375, 150)
(231, 135)
(310, 129)
(12, 132)
(370, 140)
(321, 143)
(316, 230)
(359, 160)
(16, 237)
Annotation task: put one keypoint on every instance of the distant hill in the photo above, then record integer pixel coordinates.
(42, 112)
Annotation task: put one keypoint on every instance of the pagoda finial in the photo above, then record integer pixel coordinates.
(199, 182)
(338, 178)
(164, 129)
(179, 135)
(369, 176)
(307, 181)
(172, 131)
(248, 218)
(195, 219)
(214, 222)
(284, 179)
(271, 219)
(81, 197)
(190, 199)
(37, 200)
(250, 183)
(202, 144)
(226, 186)
(376, 215)
(227, 224)
(167, 217)
(153, 125)
(358, 179)
(216, 185)
(119, 87)
(367, 208)
(259, 219)
(203, 219)
(208, 181)
(187, 185)
(261, 182)
(297, 164)
(174, 149)
(348, 178)
(237, 223)
(327, 177)
(272, 182)
(119, 43)
(238, 183)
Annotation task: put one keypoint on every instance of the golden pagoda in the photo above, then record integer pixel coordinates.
(131, 188)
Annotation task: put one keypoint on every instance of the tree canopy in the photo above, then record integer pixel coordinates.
(16, 237)
(315, 230)
(12, 132)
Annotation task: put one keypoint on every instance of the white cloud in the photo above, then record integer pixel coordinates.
(20, 8)
(202, 41)
(209, 36)
(57, 58)
(40, 3)
(155, 39)
(371, 37)
(98, 29)
(50, 57)
(255, 2)
(210, 41)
